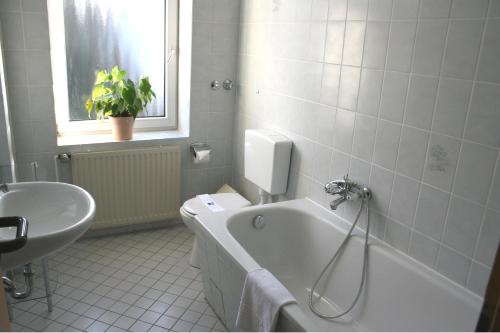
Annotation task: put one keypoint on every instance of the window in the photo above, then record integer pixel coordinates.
(139, 36)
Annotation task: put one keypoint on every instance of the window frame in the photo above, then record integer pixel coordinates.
(67, 127)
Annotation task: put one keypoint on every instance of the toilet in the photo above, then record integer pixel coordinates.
(267, 164)
(195, 206)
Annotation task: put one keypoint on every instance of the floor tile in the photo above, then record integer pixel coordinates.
(124, 322)
(150, 316)
(53, 327)
(114, 329)
(206, 320)
(79, 308)
(182, 326)
(82, 323)
(140, 326)
(191, 316)
(134, 312)
(198, 328)
(67, 318)
(159, 307)
(140, 281)
(109, 317)
(166, 322)
(175, 311)
(94, 312)
(157, 329)
(144, 302)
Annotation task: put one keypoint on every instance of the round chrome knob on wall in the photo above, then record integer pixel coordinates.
(227, 84)
(215, 85)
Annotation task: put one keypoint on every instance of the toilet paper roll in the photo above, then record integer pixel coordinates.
(201, 156)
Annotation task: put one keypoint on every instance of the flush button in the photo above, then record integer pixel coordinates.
(259, 222)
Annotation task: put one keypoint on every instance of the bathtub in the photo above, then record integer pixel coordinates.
(298, 239)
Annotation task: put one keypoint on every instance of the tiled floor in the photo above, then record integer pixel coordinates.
(132, 282)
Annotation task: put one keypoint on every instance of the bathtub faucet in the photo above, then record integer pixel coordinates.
(346, 189)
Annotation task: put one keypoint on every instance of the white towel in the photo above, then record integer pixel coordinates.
(261, 300)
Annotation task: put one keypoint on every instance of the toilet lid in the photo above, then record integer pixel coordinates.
(227, 201)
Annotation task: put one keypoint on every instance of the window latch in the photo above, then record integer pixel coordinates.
(171, 53)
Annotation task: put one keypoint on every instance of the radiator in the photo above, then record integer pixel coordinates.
(130, 186)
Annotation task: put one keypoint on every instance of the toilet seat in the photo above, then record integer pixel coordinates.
(227, 201)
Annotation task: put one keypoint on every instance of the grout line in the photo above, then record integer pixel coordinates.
(426, 159)
(355, 113)
(332, 161)
(377, 117)
(403, 118)
(345, 211)
(324, 49)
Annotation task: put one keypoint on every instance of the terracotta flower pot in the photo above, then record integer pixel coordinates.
(122, 128)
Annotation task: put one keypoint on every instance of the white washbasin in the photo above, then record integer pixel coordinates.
(57, 214)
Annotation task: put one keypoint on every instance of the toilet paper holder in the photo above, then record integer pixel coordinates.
(199, 146)
(200, 152)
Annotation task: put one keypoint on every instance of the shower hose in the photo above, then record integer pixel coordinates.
(335, 256)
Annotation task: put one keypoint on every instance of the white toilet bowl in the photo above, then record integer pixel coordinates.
(195, 206)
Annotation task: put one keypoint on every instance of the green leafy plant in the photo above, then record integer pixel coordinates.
(116, 96)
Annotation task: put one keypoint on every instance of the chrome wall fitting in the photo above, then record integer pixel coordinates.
(346, 189)
(215, 85)
(227, 84)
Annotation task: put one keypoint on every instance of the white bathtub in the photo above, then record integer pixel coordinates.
(297, 241)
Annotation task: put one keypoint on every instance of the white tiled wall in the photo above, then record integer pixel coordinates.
(404, 96)
(215, 41)
(215, 45)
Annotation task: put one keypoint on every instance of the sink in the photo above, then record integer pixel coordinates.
(57, 214)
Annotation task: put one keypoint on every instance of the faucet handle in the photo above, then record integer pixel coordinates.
(348, 191)
(340, 186)
(337, 187)
(330, 187)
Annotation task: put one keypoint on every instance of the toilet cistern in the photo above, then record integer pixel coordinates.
(267, 161)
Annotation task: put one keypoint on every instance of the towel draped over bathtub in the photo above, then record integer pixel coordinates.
(261, 300)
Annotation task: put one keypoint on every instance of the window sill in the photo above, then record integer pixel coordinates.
(100, 139)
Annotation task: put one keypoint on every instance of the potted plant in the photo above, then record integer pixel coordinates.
(119, 99)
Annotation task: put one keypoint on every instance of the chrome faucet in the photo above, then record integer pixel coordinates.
(347, 190)
(336, 202)
(4, 188)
